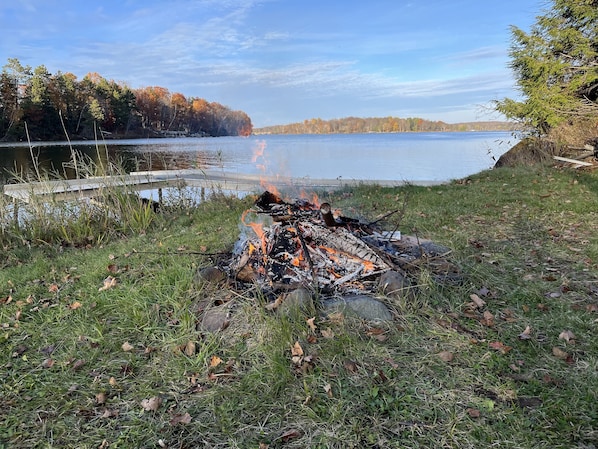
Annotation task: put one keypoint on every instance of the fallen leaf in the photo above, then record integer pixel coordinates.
(290, 435)
(446, 356)
(109, 282)
(112, 381)
(151, 404)
(190, 348)
(126, 346)
(488, 319)
(327, 333)
(328, 390)
(350, 366)
(48, 363)
(215, 361)
(500, 347)
(78, 364)
(75, 305)
(473, 412)
(568, 336)
(112, 268)
(53, 288)
(101, 398)
(296, 353)
(525, 335)
(479, 302)
(110, 414)
(180, 419)
(311, 324)
(559, 353)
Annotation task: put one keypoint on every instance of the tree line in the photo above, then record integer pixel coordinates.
(349, 125)
(38, 105)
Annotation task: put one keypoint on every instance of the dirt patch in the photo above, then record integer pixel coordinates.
(529, 151)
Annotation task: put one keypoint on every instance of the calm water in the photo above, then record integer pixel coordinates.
(402, 157)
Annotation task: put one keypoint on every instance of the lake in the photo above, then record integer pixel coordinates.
(410, 157)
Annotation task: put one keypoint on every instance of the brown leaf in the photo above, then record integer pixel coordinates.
(328, 390)
(78, 364)
(126, 346)
(488, 319)
(75, 305)
(48, 363)
(110, 414)
(53, 288)
(327, 333)
(311, 324)
(350, 366)
(296, 353)
(559, 353)
(479, 302)
(112, 268)
(152, 404)
(500, 347)
(525, 335)
(101, 398)
(446, 356)
(180, 419)
(109, 282)
(290, 435)
(190, 348)
(215, 361)
(473, 412)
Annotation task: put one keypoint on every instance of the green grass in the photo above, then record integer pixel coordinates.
(524, 238)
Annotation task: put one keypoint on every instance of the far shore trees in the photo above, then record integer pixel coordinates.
(54, 104)
(556, 68)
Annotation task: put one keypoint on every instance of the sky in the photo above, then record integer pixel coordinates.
(285, 61)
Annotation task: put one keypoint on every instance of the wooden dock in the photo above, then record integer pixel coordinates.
(205, 179)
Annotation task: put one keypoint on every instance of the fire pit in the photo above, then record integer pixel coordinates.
(290, 245)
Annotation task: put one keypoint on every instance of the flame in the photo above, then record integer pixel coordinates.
(258, 229)
(312, 198)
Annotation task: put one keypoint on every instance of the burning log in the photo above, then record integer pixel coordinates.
(298, 244)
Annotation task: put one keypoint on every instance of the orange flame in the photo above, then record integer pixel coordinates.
(312, 198)
(258, 229)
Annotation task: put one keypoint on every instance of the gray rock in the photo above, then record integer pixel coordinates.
(213, 275)
(393, 283)
(362, 306)
(215, 319)
(297, 301)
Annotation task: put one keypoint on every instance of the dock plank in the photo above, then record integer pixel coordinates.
(208, 179)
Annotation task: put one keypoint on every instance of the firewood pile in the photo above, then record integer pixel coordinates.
(292, 244)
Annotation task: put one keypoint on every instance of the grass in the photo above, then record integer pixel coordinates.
(78, 365)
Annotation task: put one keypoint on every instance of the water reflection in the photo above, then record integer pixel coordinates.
(63, 161)
(409, 157)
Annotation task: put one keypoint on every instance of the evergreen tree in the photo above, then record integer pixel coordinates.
(556, 67)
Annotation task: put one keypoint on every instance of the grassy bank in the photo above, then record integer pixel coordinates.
(99, 346)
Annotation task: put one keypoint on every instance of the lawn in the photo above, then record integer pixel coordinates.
(100, 345)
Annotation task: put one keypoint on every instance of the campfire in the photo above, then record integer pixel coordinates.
(301, 244)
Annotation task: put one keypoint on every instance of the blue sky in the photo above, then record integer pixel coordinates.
(284, 61)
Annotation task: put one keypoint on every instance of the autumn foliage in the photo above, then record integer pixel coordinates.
(50, 105)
